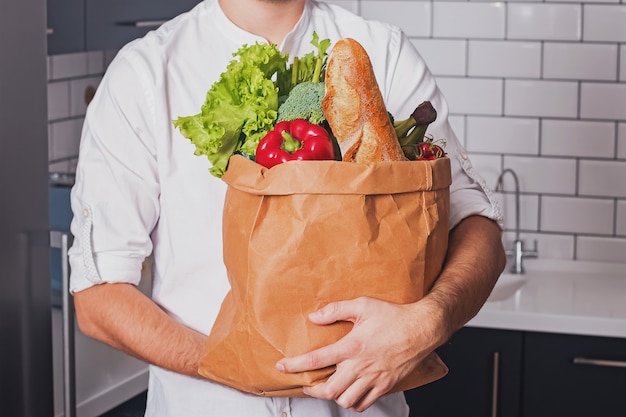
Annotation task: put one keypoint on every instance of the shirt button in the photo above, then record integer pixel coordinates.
(86, 212)
(283, 414)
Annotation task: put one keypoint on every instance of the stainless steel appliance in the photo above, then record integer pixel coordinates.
(25, 313)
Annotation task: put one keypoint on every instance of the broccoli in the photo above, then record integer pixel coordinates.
(304, 102)
(411, 131)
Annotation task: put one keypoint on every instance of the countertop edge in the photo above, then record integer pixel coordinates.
(550, 323)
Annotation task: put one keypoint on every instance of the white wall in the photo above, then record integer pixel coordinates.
(537, 86)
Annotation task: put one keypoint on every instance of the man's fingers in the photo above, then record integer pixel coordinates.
(348, 310)
(347, 389)
(356, 396)
(361, 374)
(332, 354)
(362, 394)
(317, 359)
(334, 387)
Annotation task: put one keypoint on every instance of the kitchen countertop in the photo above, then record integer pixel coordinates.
(572, 297)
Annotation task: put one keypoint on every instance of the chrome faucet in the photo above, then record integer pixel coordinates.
(518, 253)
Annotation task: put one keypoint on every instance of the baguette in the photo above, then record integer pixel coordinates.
(354, 107)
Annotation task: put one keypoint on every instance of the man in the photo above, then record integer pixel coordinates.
(162, 200)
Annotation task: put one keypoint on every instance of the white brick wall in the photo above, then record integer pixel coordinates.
(544, 21)
(541, 98)
(577, 138)
(462, 19)
(69, 76)
(504, 59)
(580, 61)
(604, 22)
(535, 85)
(513, 135)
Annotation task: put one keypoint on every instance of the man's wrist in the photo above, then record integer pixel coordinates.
(433, 315)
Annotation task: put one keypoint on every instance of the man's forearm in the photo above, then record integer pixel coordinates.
(473, 264)
(121, 316)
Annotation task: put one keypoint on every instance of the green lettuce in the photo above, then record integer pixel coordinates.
(240, 108)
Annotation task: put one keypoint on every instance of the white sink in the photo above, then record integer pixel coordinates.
(506, 286)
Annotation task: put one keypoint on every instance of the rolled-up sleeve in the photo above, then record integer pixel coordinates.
(115, 197)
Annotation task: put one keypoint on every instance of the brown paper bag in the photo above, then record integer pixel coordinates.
(303, 234)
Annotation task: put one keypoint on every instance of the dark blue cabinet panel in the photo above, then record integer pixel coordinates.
(66, 26)
(60, 210)
(110, 24)
(485, 376)
(60, 215)
(537, 375)
(570, 376)
(93, 25)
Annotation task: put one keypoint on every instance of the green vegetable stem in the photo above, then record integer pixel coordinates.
(411, 131)
(304, 100)
(310, 67)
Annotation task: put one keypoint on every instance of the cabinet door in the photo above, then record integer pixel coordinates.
(66, 26)
(484, 376)
(566, 375)
(110, 24)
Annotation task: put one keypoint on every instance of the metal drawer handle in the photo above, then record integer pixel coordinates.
(69, 366)
(144, 23)
(600, 362)
(496, 383)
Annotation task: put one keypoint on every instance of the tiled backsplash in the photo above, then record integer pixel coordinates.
(536, 86)
(71, 79)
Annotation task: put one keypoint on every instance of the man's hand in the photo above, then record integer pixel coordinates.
(387, 340)
(386, 343)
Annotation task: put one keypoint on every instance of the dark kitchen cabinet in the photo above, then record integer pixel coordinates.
(110, 24)
(485, 375)
(94, 25)
(527, 374)
(567, 375)
(66, 26)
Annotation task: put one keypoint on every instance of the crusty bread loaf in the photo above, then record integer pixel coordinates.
(354, 107)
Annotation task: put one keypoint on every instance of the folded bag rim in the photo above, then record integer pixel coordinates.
(308, 177)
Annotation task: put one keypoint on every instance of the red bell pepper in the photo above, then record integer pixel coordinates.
(294, 140)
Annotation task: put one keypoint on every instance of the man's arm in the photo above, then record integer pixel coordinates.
(121, 316)
(474, 262)
(388, 340)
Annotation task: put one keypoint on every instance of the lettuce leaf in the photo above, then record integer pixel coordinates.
(240, 108)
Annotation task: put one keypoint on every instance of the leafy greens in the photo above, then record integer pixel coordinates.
(242, 106)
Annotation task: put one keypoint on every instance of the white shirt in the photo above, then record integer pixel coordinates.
(140, 189)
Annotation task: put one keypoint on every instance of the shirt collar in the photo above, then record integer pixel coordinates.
(300, 30)
(231, 31)
(240, 37)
